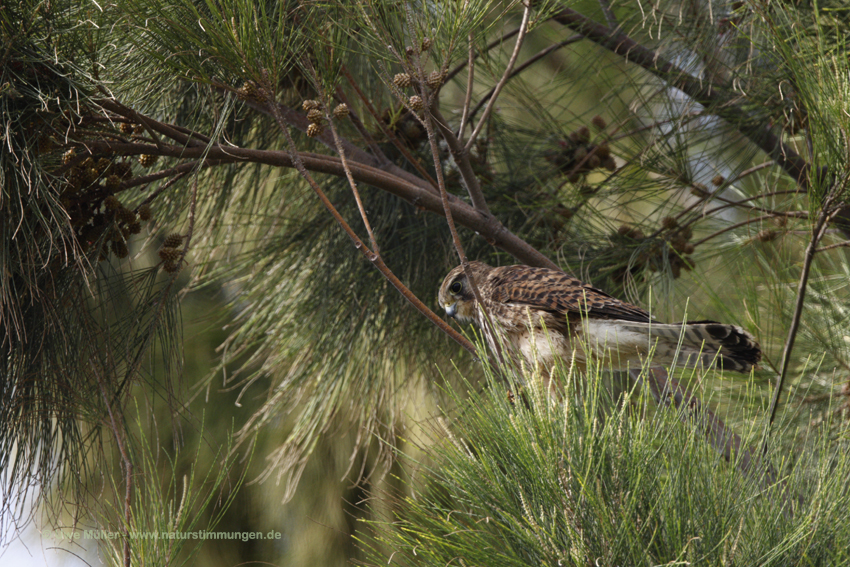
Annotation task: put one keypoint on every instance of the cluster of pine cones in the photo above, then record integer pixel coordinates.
(579, 154)
(96, 214)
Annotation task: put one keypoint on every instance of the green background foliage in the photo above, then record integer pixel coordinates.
(700, 172)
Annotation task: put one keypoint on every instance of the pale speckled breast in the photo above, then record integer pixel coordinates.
(534, 334)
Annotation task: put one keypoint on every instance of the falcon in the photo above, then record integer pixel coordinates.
(546, 314)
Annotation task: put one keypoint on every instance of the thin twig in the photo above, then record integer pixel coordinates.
(525, 65)
(610, 18)
(817, 233)
(523, 28)
(373, 257)
(165, 186)
(341, 151)
(464, 166)
(467, 99)
(361, 129)
(389, 133)
(732, 227)
(429, 120)
(836, 245)
(190, 231)
(451, 74)
(162, 174)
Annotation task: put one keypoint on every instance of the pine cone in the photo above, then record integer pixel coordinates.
(341, 111)
(119, 248)
(173, 240)
(146, 160)
(402, 80)
(145, 212)
(435, 79)
(315, 116)
(112, 203)
(169, 254)
(113, 182)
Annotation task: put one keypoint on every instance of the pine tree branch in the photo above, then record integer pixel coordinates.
(703, 92)
(486, 225)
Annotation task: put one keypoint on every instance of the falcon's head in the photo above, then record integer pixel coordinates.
(456, 295)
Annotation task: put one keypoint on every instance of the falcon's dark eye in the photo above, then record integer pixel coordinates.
(455, 287)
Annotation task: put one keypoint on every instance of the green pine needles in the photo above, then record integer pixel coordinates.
(521, 479)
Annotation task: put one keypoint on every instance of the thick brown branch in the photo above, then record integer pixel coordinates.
(464, 214)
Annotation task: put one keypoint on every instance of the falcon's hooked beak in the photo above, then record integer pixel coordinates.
(451, 309)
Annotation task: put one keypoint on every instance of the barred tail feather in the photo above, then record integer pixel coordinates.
(704, 342)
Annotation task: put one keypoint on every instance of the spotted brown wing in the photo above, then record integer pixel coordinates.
(558, 292)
